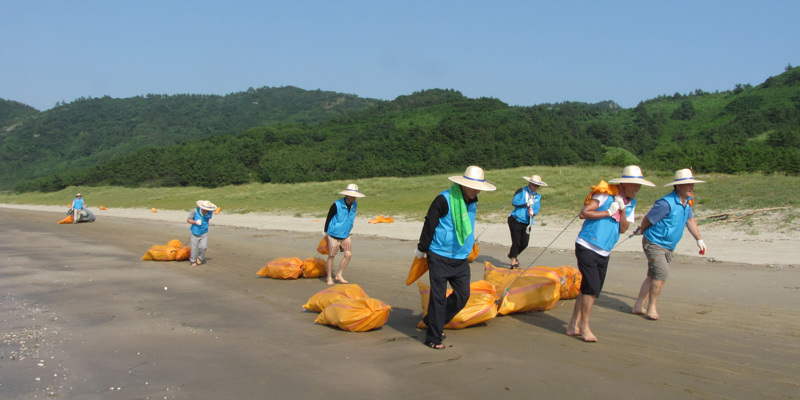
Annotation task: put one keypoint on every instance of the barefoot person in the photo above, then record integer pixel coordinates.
(76, 208)
(446, 239)
(199, 218)
(663, 228)
(607, 212)
(526, 204)
(338, 225)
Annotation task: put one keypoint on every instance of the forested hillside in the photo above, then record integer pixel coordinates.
(745, 129)
(88, 131)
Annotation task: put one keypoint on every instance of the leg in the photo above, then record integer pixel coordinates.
(333, 249)
(202, 245)
(194, 241)
(515, 232)
(644, 294)
(574, 323)
(587, 302)
(458, 299)
(75, 215)
(342, 266)
(329, 268)
(655, 290)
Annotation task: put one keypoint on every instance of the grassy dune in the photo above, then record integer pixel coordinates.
(410, 197)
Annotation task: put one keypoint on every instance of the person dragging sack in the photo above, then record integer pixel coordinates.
(447, 237)
(608, 211)
(77, 208)
(526, 202)
(663, 228)
(199, 218)
(338, 225)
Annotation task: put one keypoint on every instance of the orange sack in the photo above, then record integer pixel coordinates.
(322, 247)
(355, 315)
(476, 250)
(380, 219)
(67, 220)
(531, 289)
(314, 267)
(160, 253)
(282, 268)
(183, 253)
(418, 268)
(332, 294)
(481, 306)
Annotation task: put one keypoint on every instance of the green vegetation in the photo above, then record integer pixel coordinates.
(410, 197)
(214, 142)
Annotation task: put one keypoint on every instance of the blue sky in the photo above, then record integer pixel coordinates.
(521, 52)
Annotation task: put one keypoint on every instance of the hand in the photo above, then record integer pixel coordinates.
(702, 245)
(619, 200)
(638, 230)
(613, 209)
(324, 234)
(418, 254)
(198, 222)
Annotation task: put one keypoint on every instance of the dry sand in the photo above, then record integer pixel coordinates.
(83, 317)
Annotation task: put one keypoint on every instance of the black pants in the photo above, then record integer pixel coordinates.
(519, 237)
(442, 308)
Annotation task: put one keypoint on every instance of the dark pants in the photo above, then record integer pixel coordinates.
(442, 308)
(593, 269)
(519, 237)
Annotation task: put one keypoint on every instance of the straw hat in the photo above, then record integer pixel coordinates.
(473, 178)
(632, 174)
(683, 176)
(206, 205)
(535, 179)
(78, 195)
(352, 190)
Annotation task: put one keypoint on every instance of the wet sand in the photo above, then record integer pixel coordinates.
(83, 317)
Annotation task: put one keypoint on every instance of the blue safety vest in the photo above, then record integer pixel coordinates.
(342, 223)
(520, 213)
(445, 241)
(668, 232)
(198, 230)
(604, 232)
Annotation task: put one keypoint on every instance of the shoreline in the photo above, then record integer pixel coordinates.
(726, 243)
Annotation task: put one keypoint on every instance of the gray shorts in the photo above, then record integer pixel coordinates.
(658, 259)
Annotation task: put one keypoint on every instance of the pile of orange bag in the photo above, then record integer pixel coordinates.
(174, 250)
(293, 268)
(349, 308)
(380, 219)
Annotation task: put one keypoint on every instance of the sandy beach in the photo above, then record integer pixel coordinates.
(83, 317)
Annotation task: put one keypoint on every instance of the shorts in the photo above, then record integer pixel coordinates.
(334, 245)
(593, 269)
(658, 259)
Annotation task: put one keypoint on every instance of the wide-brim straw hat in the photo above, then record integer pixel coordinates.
(352, 190)
(683, 176)
(535, 179)
(206, 205)
(632, 174)
(473, 178)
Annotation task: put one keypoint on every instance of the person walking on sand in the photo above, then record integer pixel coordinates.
(608, 211)
(447, 237)
(338, 225)
(199, 218)
(526, 202)
(77, 208)
(663, 228)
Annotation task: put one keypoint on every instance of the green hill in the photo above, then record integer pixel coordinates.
(747, 129)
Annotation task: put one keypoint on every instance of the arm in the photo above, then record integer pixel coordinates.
(519, 198)
(437, 209)
(643, 227)
(691, 224)
(190, 219)
(331, 214)
(537, 204)
(589, 211)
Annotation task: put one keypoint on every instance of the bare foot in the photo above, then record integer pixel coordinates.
(589, 337)
(194, 264)
(573, 332)
(330, 283)
(341, 280)
(638, 312)
(653, 316)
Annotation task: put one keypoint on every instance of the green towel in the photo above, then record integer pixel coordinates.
(458, 210)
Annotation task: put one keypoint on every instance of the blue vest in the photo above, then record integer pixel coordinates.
(520, 213)
(77, 204)
(445, 241)
(342, 223)
(668, 232)
(198, 230)
(604, 232)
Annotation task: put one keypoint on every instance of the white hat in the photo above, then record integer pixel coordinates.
(535, 179)
(78, 195)
(683, 176)
(473, 178)
(206, 205)
(352, 190)
(632, 174)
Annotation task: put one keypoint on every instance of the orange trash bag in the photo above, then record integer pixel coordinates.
(355, 315)
(322, 247)
(314, 267)
(476, 250)
(282, 268)
(103, 208)
(481, 306)
(217, 210)
(67, 220)
(175, 243)
(380, 219)
(332, 294)
(418, 268)
(532, 289)
(160, 253)
(183, 253)
(570, 278)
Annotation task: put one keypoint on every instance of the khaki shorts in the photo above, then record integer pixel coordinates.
(658, 259)
(334, 245)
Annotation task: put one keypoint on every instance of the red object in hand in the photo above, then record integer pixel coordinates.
(702, 252)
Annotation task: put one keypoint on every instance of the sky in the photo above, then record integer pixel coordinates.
(520, 52)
